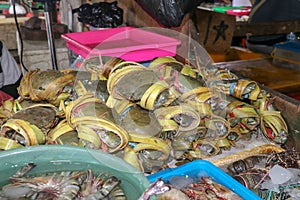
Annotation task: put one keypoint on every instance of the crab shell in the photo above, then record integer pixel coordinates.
(44, 116)
(45, 85)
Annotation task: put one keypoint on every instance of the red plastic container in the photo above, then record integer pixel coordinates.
(128, 43)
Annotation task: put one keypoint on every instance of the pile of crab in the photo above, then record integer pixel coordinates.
(150, 116)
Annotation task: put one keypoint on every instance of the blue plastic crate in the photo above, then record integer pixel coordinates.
(199, 168)
(287, 54)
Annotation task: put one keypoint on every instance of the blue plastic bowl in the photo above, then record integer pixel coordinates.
(199, 168)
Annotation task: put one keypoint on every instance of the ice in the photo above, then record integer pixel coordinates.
(285, 178)
(279, 175)
(295, 194)
(180, 182)
(256, 141)
(295, 175)
(268, 184)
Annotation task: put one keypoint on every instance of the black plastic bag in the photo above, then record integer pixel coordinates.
(169, 13)
(100, 15)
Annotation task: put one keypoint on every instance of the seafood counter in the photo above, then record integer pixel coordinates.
(154, 117)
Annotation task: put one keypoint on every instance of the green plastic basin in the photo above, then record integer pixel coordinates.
(54, 158)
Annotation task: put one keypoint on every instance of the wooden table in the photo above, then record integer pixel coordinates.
(243, 29)
(234, 54)
(262, 70)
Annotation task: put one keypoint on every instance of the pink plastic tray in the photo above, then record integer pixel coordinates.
(127, 43)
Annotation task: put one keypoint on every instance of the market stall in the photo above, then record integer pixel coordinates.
(146, 113)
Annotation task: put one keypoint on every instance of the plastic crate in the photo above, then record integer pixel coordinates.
(199, 168)
(128, 43)
(287, 54)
